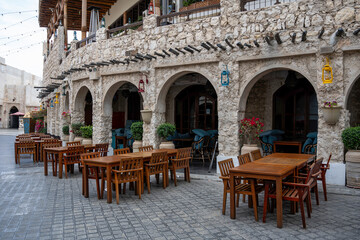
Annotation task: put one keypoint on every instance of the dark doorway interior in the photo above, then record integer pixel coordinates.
(88, 109)
(14, 120)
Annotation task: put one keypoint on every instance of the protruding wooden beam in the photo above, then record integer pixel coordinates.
(212, 46)
(174, 52)
(83, 19)
(65, 23)
(228, 43)
(205, 46)
(240, 45)
(221, 47)
(321, 32)
(159, 54)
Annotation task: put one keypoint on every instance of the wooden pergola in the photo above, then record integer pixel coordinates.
(72, 13)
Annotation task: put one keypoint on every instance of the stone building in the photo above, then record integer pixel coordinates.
(17, 94)
(275, 55)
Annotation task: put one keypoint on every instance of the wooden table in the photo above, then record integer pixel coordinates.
(36, 156)
(287, 143)
(272, 167)
(110, 162)
(60, 152)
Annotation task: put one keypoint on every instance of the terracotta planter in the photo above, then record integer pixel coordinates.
(87, 141)
(331, 115)
(136, 145)
(352, 159)
(247, 148)
(146, 115)
(167, 145)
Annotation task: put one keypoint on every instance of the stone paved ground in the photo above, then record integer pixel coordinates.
(33, 206)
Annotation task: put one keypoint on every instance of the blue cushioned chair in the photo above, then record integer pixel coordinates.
(200, 146)
(310, 145)
(267, 139)
(123, 132)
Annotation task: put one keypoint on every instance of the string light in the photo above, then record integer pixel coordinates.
(17, 23)
(23, 34)
(19, 12)
(20, 48)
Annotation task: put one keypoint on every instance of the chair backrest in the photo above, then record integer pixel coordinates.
(50, 156)
(225, 166)
(146, 148)
(102, 148)
(317, 167)
(244, 158)
(27, 147)
(127, 164)
(182, 157)
(327, 165)
(310, 173)
(158, 161)
(73, 153)
(24, 137)
(255, 155)
(50, 140)
(23, 140)
(121, 151)
(90, 155)
(75, 143)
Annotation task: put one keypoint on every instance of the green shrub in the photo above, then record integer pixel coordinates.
(86, 131)
(66, 129)
(43, 130)
(76, 129)
(351, 138)
(165, 130)
(137, 130)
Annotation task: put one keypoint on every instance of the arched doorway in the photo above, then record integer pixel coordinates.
(353, 104)
(13, 120)
(83, 107)
(284, 100)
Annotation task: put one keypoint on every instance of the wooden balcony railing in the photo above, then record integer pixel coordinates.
(247, 5)
(91, 38)
(115, 31)
(183, 16)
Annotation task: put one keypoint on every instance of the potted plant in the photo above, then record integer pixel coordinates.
(250, 128)
(66, 132)
(331, 112)
(66, 116)
(39, 125)
(165, 130)
(76, 131)
(137, 133)
(86, 133)
(351, 140)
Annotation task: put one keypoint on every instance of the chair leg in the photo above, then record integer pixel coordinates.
(302, 211)
(175, 180)
(237, 200)
(117, 191)
(254, 200)
(316, 193)
(148, 182)
(66, 170)
(164, 179)
(224, 201)
(323, 180)
(188, 173)
(83, 183)
(97, 183)
(139, 185)
(308, 206)
(102, 183)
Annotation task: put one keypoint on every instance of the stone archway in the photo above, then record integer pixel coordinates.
(13, 120)
(82, 106)
(352, 102)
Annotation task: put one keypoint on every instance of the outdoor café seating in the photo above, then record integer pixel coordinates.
(181, 161)
(157, 164)
(92, 173)
(72, 156)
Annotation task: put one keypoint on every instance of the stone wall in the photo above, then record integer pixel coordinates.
(246, 65)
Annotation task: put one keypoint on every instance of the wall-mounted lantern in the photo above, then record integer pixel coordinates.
(327, 74)
(52, 103)
(225, 77)
(64, 91)
(141, 86)
(41, 107)
(151, 8)
(57, 98)
(102, 22)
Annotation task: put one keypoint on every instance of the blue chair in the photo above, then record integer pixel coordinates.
(310, 145)
(267, 139)
(200, 146)
(124, 132)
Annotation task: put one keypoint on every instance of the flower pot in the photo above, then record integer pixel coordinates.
(79, 139)
(68, 119)
(146, 115)
(331, 115)
(247, 148)
(167, 145)
(87, 141)
(352, 159)
(136, 145)
(66, 138)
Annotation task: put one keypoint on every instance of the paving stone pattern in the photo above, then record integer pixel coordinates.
(33, 206)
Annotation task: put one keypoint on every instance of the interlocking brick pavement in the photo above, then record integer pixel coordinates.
(33, 206)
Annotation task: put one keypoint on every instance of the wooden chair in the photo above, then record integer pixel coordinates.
(129, 171)
(324, 167)
(293, 191)
(45, 136)
(146, 148)
(72, 156)
(26, 147)
(251, 189)
(244, 158)
(51, 157)
(121, 151)
(93, 172)
(255, 155)
(50, 140)
(102, 148)
(266, 147)
(201, 147)
(75, 143)
(181, 161)
(158, 164)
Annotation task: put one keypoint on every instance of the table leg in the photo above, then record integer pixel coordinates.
(60, 164)
(86, 180)
(108, 180)
(279, 209)
(16, 153)
(45, 166)
(232, 197)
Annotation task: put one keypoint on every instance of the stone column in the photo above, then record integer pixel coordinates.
(149, 136)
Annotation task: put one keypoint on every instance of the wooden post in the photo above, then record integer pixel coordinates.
(83, 19)
(65, 24)
(124, 18)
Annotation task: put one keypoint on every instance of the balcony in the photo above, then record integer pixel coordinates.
(248, 5)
